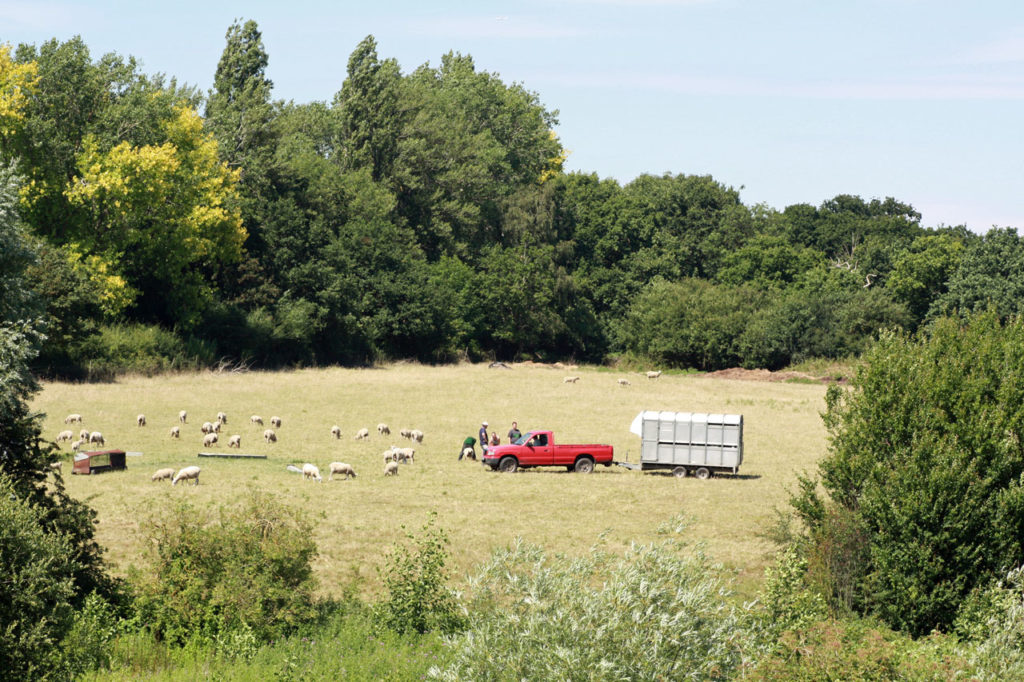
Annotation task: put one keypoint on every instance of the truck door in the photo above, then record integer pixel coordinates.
(540, 450)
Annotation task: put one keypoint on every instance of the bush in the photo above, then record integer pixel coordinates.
(658, 612)
(247, 571)
(145, 349)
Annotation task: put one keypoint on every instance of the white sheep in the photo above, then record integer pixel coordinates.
(187, 474)
(84, 435)
(469, 453)
(416, 435)
(570, 380)
(341, 468)
(623, 382)
(207, 427)
(275, 422)
(182, 416)
(73, 418)
(384, 429)
(391, 469)
(336, 431)
(163, 474)
(235, 441)
(311, 472)
(175, 432)
(654, 375)
(141, 420)
(65, 436)
(270, 436)
(362, 434)
(216, 426)
(97, 437)
(256, 419)
(405, 433)
(56, 466)
(210, 439)
(405, 455)
(390, 455)
(76, 445)
(222, 418)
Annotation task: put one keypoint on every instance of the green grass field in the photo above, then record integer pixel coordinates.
(358, 520)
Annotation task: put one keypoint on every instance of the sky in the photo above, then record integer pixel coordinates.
(788, 101)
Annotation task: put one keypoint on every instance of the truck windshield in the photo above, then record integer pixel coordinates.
(522, 439)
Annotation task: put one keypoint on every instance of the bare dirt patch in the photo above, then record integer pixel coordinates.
(741, 374)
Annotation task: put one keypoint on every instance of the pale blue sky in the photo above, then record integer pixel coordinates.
(795, 101)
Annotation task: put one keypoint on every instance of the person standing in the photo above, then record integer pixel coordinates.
(513, 433)
(483, 437)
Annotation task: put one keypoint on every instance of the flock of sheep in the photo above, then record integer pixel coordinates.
(621, 382)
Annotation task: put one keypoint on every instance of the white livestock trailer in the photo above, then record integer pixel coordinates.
(689, 443)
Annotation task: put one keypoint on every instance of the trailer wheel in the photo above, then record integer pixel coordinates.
(508, 465)
(584, 465)
(679, 472)
(703, 473)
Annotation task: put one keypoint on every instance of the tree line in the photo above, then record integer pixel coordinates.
(426, 215)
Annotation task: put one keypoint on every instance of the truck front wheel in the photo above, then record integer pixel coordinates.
(584, 465)
(508, 465)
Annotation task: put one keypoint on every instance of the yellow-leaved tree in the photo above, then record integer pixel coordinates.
(17, 82)
(165, 217)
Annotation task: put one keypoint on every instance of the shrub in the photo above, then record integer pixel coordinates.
(247, 571)
(997, 622)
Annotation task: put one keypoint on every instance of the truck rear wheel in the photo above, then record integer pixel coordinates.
(703, 473)
(584, 465)
(679, 472)
(508, 465)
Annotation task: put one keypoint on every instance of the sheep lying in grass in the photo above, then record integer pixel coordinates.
(275, 422)
(163, 474)
(84, 435)
(76, 445)
(182, 416)
(256, 419)
(383, 429)
(141, 420)
(570, 380)
(654, 375)
(97, 437)
(342, 469)
(362, 434)
(73, 418)
(235, 441)
(207, 427)
(391, 469)
(187, 474)
(416, 435)
(336, 431)
(65, 436)
(222, 418)
(623, 382)
(175, 432)
(270, 436)
(311, 472)
(209, 439)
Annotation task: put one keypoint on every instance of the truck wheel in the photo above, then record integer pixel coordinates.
(703, 473)
(508, 465)
(584, 465)
(679, 472)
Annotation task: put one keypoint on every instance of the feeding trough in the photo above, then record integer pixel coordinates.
(98, 461)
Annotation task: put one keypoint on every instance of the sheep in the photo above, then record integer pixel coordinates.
(404, 455)
(175, 432)
(73, 418)
(654, 375)
(362, 434)
(416, 435)
(311, 472)
(275, 422)
(141, 420)
(222, 418)
(56, 466)
(336, 431)
(84, 435)
(210, 439)
(216, 426)
(97, 437)
(405, 433)
(570, 380)
(76, 445)
(207, 427)
(162, 474)
(182, 416)
(256, 419)
(65, 436)
(469, 453)
(341, 468)
(391, 469)
(623, 382)
(235, 441)
(390, 455)
(187, 474)
(270, 436)
(383, 429)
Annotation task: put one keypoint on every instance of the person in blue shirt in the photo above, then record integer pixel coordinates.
(483, 436)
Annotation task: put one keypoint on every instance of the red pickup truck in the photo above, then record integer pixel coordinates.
(538, 448)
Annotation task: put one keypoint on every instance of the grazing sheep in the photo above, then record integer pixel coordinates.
(391, 469)
(210, 439)
(270, 436)
(56, 466)
(141, 420)
(73, 418)
(311, 472)
(84, 435)
(163, 474)
(175, 432)
(469, 453)
(570, 380)
(256, 419)
(336, 431)
(623, 382)
(65, 436)
(216, 426)
(383, 429)
(187, 474)
(76, 445)
(97, 437)
(390, 455)
(416, 435)
(182, 416)
(275, 422)
(341, 468)
(207, 427)
(362, 434)
(405, 433)
(405, 455)
(235, 441)
(222, 418)
(654, 375)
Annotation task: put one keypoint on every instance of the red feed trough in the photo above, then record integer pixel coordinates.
(98, 461)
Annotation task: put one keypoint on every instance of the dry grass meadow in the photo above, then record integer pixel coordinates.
(358, 520)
